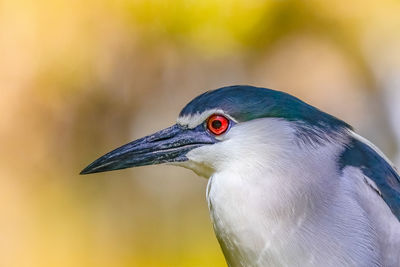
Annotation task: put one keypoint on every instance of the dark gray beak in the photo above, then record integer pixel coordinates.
(168, 145)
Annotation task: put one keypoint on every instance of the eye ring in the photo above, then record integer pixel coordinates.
(217, 124)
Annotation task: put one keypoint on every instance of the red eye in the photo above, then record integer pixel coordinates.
(217, 124)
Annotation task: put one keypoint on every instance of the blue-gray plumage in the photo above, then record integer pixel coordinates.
(359, 154)
(289, 184)
(246, 103)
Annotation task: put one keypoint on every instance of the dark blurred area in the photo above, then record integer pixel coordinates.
(79, 78)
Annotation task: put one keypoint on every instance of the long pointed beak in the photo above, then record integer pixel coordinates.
(168, 145)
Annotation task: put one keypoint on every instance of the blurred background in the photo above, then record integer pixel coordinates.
(79, 78)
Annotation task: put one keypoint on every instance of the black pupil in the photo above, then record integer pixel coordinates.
(216, 124)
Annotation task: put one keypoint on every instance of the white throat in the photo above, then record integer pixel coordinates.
(267, 192)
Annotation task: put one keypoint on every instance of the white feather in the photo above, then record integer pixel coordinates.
(274, 202)
(193, 120)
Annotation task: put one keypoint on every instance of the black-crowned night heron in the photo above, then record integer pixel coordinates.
(289, 184)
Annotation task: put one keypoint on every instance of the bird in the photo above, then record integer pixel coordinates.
(288, 184)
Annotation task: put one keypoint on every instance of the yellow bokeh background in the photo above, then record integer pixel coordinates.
(79, 78)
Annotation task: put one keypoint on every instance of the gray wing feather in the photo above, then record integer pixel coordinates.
(375, 166)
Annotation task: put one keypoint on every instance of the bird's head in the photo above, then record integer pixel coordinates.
(222, 127)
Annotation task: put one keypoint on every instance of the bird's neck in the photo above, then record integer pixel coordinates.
(256, 204)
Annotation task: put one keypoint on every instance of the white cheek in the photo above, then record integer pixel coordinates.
(200, 160)
(204, 155)
(249, 142)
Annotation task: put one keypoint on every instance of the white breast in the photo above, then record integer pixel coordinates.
(275, 202)
(335, 231)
